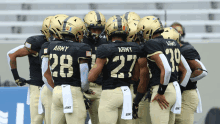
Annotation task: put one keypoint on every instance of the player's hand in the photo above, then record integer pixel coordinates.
(161, 100)
(87, 102)
(21, 81)
(90, 91)
(135, 111)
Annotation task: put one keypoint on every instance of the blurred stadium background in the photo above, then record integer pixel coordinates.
(20, 19)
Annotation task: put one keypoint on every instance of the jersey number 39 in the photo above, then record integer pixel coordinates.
(175, 56)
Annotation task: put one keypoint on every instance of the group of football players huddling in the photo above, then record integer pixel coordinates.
(128, 70)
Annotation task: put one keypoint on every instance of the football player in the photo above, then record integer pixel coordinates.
(118, 63)
(143, 113)
(46, 93)
(95, 25)
(68, 60)
(164, 59)
(31, 49)
(191, 101)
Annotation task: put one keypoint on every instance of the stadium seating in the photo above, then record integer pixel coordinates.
(21, 18)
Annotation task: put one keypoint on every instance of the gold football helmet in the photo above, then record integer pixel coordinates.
(55, 24)
(73, 26)
(94, 19)
(116, 25)
(131, 16)
(179, 28)
(45, 27)
(132, 31)
(148, 26)
(171, 33)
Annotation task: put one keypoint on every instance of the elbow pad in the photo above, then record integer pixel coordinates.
(13, 51)
(84, 70)
(188, 73)
(204, 73)
(44, 67)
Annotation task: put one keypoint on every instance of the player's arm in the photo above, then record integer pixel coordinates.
(136, 72)
(199, 70)
(48, 76)
(44, 67)
(142, 87)
(165, 71)
(96, 69)
(19, 51)
(84, 70)
(144, 80)
(186, 72)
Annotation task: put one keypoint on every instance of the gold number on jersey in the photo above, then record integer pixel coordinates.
(177, 58)
(174, 54)
(114, 71)
(55, 63)
(122, 64)
(63, 65)
(68, 66)
(93, 60)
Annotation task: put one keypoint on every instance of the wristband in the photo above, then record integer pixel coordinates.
(162, 88)
(15, 74)
(138, 98)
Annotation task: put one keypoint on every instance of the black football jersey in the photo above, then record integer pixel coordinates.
(94, 46)
(189, 53)
(171, 49)
(64, 61)
(121, 57)
(35, 43)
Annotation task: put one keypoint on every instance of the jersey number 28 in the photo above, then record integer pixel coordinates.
(63, 65)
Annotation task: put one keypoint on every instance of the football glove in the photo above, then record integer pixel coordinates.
(89, 91)
(87, 102)
(20, 81)
(135, 111)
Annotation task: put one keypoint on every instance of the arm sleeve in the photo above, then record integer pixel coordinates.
(84, 70)
(167, 69)
(188, 73)
(204, 73)
(102, 52)
(32, 44)
(44, 67)
(13, 51)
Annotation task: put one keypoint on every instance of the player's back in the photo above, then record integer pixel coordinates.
(121, 57)
(64, 61)
(171, 49)
(35, 43)
(189, 52)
